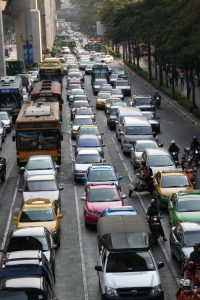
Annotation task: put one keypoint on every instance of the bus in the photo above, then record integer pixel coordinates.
(51, 69)
(14, 67)
(100, 70)
(11, 95)
(38, 131)
(47, 91)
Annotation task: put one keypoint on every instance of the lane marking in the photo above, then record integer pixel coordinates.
(10, 215)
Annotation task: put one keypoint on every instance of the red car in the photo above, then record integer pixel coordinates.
(99, 197)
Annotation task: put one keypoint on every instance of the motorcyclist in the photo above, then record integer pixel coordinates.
(146, 174)
(191, 272)
(173, 147)
(187, 293)
(186, 155)
(195, 254)
(152, 211)
(157, 98)
(181, 281)
(194, 144)
(191, 170)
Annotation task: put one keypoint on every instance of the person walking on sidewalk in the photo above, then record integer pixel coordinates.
(182, 77)
(170, 77)
(176, 76)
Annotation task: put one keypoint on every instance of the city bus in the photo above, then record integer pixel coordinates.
(11, 95)
(51, 69)
(38, 131)
(47, 91)
(14, 67)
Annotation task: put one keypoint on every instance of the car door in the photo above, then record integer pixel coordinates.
(178, 234)
(101, 262)
(171, 209)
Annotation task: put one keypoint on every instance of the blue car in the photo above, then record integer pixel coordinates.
(102, 174)
(119, 211)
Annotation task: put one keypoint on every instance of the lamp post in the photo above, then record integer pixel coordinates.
(27, 47)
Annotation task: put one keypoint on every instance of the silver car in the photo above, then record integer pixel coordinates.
(85, 159)
(40, 164)
(6, 119)
(2, 131)
(42, 186)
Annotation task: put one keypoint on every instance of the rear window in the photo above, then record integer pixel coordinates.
(138, 130)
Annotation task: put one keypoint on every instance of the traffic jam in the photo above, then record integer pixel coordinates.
(135, 196)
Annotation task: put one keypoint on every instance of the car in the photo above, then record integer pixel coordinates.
(106, 58)
(2, 132)
(102, 174)
(182, 239)
(158, 160)
(89, 141)
(77, 122)
(77, 104)
(97, 198)
(153, 120)
(78, 98)
(88, 67)
(42, 186)
(119, 71)
(74, 85)
(106, 87)
(97, 85)
(117, 93)
(114, 101)
(184, 207)
(118, 211)
(33, 238)
(84, 111)
(124, 85)
(74, 92)
(90, 129)
(101, 99)
(83, 160)
(6, 119)
(144, 102)
(83, 63)
(2, 169)
(40, 212)
(40, 164)
(113, 78)
(168, 182)
(138, 148)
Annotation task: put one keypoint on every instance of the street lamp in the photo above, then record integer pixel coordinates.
(27, 47)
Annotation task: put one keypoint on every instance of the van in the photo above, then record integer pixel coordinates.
(124, 112)
(133, 129)
(125, 264)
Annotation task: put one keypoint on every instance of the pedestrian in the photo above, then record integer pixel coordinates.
(182, 77)
(176, 77)
(189, 88)
(170, 77)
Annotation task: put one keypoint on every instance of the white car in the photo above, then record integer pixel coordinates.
(107, 58)
(38, 165)
(6, 119)
(138, 148)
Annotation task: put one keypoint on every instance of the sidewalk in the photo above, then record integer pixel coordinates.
(179, 88)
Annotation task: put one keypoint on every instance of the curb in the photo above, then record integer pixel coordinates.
(172, 103)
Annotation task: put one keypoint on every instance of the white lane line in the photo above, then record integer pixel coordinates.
(81, 246)
(160, 244)
(10, 215)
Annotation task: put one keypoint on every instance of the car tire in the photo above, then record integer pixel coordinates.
(86, 225)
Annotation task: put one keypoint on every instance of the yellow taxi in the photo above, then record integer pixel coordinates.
(90, 129)
(101, 99)
(168, 182)
(40, 212)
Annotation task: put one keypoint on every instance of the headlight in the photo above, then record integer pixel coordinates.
(111, 291)
(156, 289)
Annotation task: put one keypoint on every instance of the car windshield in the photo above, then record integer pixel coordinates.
(138, 130)
(103, 96)
(41, 215)
(84, 112)
(160, 161)
(103, 195)
(171, 181)
(102, 175)
(129, 262)
(190, 238)
(83, 121)
(4, 116)
(89, 130)
(80, 104)
(40, 185)
(40, 164)
(142, 147)
(80, 97)
(89, 142)
(144, 101)
(20, 243)
(100, 82)
(22, 295)
(149, 116)
(114, 76)
(113, 111)
(189, 205)
(122, 83)
(76, 92)
(88, 158)
(116, 92)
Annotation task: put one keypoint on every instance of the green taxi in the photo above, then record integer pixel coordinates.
(184, 207)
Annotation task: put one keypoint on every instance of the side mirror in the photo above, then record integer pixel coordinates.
(98, 268)
(102, 133)
(15, 218)
(160, 264)
(124, 196)
(57, 166)
(120, 177)
(121, 133)
(61, 188)
(103, 145)
(20, 190)
(60, 216)
(22, 169)
(83, 198)
(154, 134)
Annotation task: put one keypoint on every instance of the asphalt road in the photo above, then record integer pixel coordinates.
(76, 278)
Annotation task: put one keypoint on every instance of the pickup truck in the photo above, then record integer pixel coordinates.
(2, 169)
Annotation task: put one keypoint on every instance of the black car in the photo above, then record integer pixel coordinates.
(2, 169)
(182, 240)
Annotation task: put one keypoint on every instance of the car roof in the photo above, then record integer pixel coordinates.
(88, 136)
(120, 210)
(145, 142)
(188, 194)
(190, 226)
(101, 167)
(158, 151)
(81, 152)
(37, 157)
(26, 231)
(88, 126)
(139, 120)
(41, 177)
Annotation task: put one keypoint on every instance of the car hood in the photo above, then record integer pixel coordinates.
(122, 87)
(163, 168)
(39, 172)
(133, 138)
(100, 206)
(169, 191)
(51, 195)
(51, 225)
(187, 251)
(132, 279)
(82, 167)
(90, 148)
(193, 216)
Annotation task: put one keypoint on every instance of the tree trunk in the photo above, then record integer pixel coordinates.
(187, 83)
(155, 67)
(193, 88)
(149, 61)
(160, 74)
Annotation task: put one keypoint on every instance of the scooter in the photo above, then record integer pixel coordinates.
(157, 100)
(175, 158)
(154, 223)
(139, 185)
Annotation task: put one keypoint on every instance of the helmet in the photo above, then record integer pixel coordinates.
(187, 286)
(153, 202)
(194, 138)
(173, 142)
(187, 150)
(181, 281)
(192, 265)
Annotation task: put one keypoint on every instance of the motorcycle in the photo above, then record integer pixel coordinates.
(140, 185)
(175, 158)
(196, 156)
(157, 100)
(154, 224)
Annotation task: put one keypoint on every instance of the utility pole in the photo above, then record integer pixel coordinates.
(2, 51)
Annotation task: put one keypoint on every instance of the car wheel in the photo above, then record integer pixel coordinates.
(86, 225)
